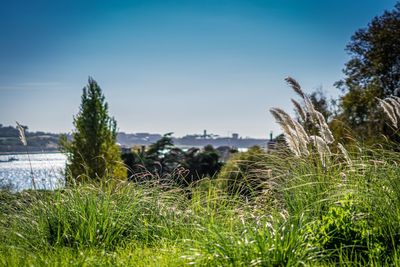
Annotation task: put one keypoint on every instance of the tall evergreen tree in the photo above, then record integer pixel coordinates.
(93, 154)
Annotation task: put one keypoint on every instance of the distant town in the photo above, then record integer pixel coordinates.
(42, 141)
(194, 140)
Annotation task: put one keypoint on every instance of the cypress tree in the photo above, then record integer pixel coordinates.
(92, 154)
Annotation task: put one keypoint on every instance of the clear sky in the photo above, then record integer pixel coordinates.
(172, 66)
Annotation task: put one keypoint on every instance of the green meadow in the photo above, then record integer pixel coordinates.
(301, 213)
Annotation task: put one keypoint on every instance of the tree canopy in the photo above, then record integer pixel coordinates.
(373, 71)
(170, 164)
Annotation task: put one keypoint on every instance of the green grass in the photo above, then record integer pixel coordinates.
(302, 213)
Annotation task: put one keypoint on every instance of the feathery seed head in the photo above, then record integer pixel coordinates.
(323, 127)
(289, 133)
(389, 111)
(345, 153)
(21, 131)
(299, 110)
(396, 106)
(321, 146)
(295, 86)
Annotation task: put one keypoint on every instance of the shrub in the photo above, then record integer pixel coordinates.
(347, 229)
(257, 173)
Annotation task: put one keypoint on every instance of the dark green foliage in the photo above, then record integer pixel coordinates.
(170, 164)
(373, 71)
(159, 159)
(346, 229)
(200, 163)
(134, 161)
(92, 154)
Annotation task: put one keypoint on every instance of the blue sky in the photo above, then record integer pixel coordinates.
(172, 66)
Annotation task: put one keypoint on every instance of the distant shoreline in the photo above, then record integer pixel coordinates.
(30, 152)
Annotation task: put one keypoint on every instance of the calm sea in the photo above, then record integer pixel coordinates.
(47, 171)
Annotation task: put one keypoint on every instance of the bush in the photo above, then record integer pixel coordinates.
(346, 229)
(241, 174)
(255, 172)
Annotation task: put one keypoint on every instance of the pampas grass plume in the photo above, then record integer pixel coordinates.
(389, 111)
(295, 86)
(299, 110)
(21, 134)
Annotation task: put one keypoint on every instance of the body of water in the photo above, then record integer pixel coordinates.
(47, 171)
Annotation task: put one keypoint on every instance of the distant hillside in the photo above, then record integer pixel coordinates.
(41, 141)
(37, 141)
(202, 140)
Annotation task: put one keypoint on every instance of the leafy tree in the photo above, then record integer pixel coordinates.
(373, 71)
(200, 163)
(161, 156)
(93, 154)
(162, 159)
(159, 159)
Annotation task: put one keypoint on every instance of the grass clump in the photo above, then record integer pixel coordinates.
(264, 241)
(90, 217)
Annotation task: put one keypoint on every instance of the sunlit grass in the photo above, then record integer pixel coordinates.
(306, 214)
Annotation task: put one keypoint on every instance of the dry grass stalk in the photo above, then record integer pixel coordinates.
(310, 109)
(21, 131)
(301, 133)
(295, 135)
(396, 106)
(389, 111)
(345, 153)
(299, 110)
(324, 130)
(295, 125)
(284, 116)
(22, 137)
(322, 147)
(320, 144)
(295, 86)
(292, 141)
(396, 98)
(288, 132)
